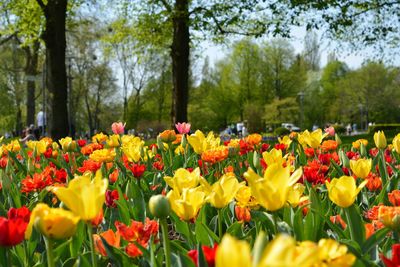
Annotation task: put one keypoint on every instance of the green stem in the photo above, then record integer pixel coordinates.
(192, 240)
(220, 224)
(7, 257)
(167, 250)
(92, 252)
(49, 249)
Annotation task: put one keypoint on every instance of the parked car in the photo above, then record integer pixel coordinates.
(291, 127)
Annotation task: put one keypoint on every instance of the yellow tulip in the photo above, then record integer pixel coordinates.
(83, 196)
(295, 194)
(103, 155)
(132, 147)
(343, 191)
(233, 253)
(285, 140)
(396, 143)
(222, 192)
(188, 203)
(361, 167)
(332, 253)
(356, 144)
(282, 251)
(13, 146)
(313, 139)
(67, 144)
(183, 179)
(273, 156)
(244, 197)
(271, 191)
(380, 140)
(114, 140)
(38, 146)
(54, 223)
(99, 138)
(200, 143)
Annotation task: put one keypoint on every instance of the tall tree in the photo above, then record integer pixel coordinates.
(209, 19)
(55, 13)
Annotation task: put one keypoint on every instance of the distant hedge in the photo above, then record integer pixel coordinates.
(280, 131)
(384, 127)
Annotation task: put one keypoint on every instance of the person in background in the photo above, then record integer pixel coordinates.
(28, 136)
(41, 122)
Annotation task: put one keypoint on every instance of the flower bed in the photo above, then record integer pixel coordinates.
(192, 200)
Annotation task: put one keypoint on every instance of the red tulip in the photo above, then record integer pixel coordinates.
(13, 228)
(395, 261)
(209, 254)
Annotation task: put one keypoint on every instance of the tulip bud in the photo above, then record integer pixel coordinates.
(344, 159)
(338, 140)
(256, 160)
(159, 206)
(363, 150)
(380, 140)
(160, 144)
(184, 141)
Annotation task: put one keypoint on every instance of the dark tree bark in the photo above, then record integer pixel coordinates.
(180, 61)
(55, 12)
(31, 67)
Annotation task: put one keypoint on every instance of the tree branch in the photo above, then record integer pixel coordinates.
(166, 5)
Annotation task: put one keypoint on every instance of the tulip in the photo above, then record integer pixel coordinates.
(295, 195)
(38, 146)
(343, 191)
(67, 144)
(273, 156)
(200, 143)
(114, 140)
(282, 251)
(313, 139)
(99, 138)
(395, 260)
(222, 192)
(361, 167)
(286, 140)
(168, 136)
(396, 143)
(103, 155)
(357, 144)
(54, 223)
(209, 255)
(390, 217)
(243, 196)
(83, 196)
(330, 131)
(183, 179)
(118, 127)
(394, 197)
(271, 191)
(380, 140)
(132, 148)
(334, 254)
(233, 253)
(13, 227)
(183, 128)
(112, 239)
(159, 206)
(188, 203)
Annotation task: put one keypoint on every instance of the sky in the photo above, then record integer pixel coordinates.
(353, 60)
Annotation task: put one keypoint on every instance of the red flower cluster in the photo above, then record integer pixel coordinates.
(136, 168)
(138, 232)
(39, 181)
(89, 165)
(314, 172)
(13, 227)
(395, 261)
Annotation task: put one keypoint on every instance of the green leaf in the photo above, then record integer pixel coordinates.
(374, 240)
(202, 234)
(355, 224)
(201, 259)
(117, 256)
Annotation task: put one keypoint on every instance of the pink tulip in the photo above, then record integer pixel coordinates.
(330, 130)
(183, 128)
(118, 127)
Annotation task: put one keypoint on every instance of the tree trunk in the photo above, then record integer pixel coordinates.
(55, 40)
(32, 60)
(180, 61)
